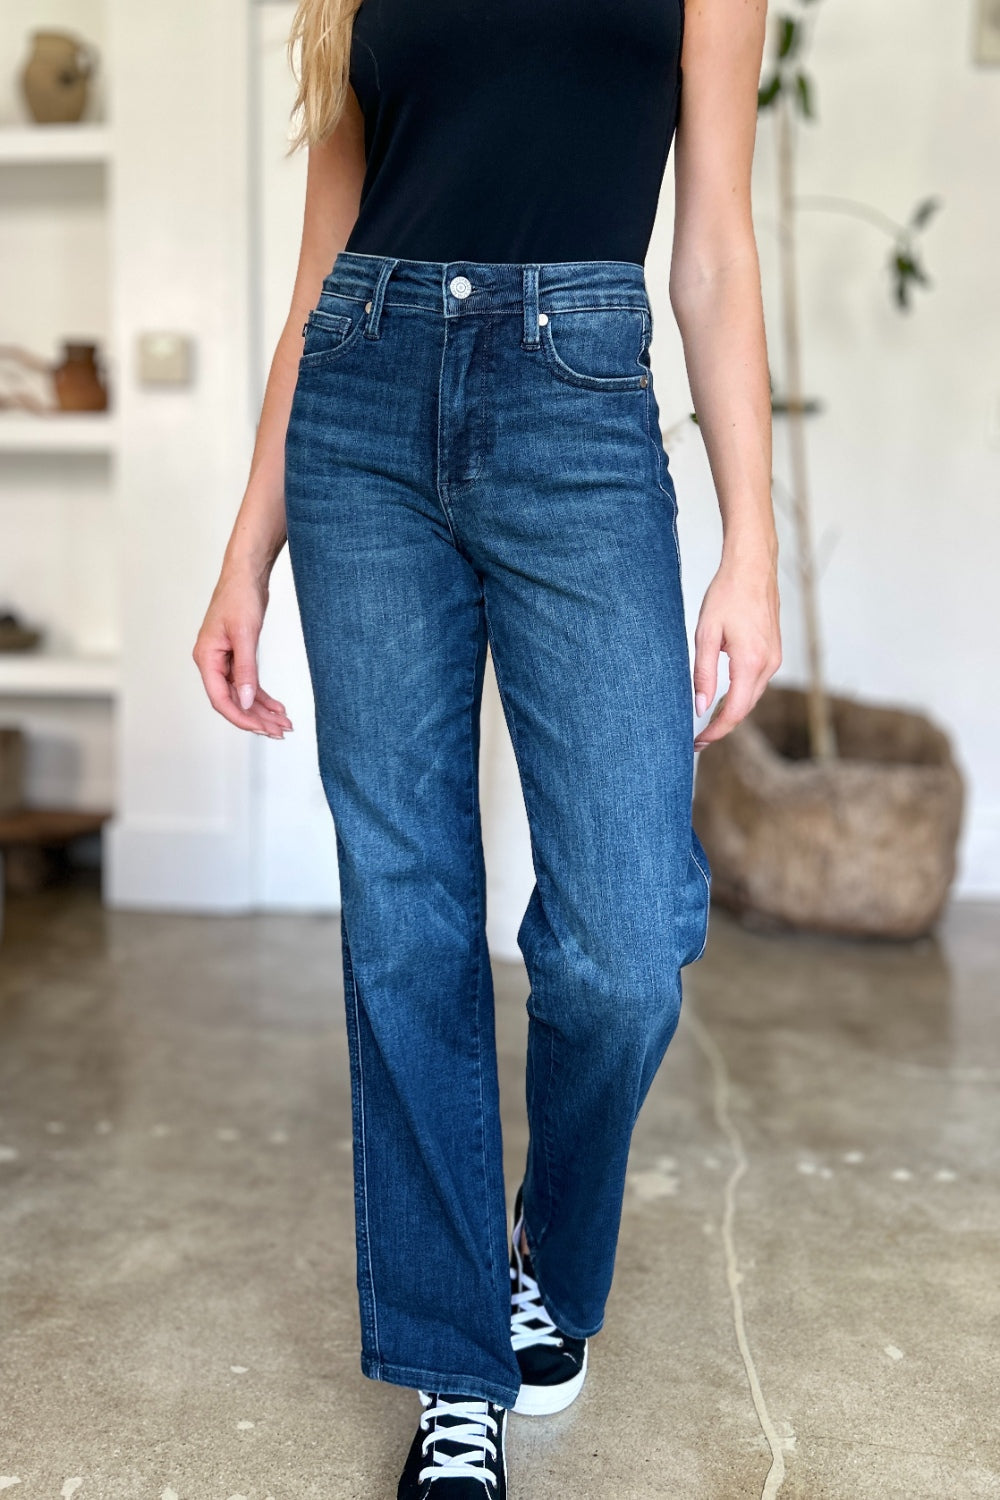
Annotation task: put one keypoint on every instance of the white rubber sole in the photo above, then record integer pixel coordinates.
(546, 1400)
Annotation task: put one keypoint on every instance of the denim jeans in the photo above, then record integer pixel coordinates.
(474, 458)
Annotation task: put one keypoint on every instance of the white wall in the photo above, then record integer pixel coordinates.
(906, 460)
(182, 837)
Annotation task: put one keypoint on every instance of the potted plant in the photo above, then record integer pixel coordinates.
(820, 811)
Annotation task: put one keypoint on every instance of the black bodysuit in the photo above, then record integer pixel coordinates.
(514, 130)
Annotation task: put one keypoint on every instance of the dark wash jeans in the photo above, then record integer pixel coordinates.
(473, 457)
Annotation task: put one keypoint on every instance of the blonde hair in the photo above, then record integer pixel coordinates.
(319, 50)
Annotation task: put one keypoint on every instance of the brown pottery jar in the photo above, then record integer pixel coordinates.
(78, 380)
(56, 78)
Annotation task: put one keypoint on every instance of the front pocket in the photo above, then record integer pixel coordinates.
(326, 334)
(597, 348)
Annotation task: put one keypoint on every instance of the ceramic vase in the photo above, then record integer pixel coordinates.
(79, 383)
(56, 78)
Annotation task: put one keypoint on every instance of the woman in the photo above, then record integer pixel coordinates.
(465, 450)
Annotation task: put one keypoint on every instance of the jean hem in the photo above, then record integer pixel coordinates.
(564, 1325)
(437, 1381)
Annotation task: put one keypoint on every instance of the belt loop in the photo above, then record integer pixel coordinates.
(378, 297)
(530, 339)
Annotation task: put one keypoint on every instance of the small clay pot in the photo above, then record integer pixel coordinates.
(56, 78)
(78, 381)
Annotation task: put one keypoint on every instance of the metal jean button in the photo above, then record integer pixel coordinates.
(460, 286)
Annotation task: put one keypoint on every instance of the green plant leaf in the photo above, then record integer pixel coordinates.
(907, 265)
(924, 212)
(907, 271)
(803, 92)
(789, 36)
(769, 91)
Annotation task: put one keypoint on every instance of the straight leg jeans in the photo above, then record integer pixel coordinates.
(474, 459)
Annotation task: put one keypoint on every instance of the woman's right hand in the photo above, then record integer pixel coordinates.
(226, 656)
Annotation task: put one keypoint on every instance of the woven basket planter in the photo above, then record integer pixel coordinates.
(863, 845)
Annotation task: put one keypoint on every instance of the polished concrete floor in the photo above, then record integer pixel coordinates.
(807, 1299)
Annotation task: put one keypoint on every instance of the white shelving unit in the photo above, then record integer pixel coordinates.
(59, 179)
(32, 674)
(31, 145)
(40, 675)
(57, 432)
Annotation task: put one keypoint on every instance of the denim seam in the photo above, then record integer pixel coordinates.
(483, 363)
(656, 450)
(637, 306)
(480, 921)
(325, 357)
(708, 897)
(549, 1149)
(609, 384)
(672, 497)
(512, 307)
(364, 1153)
(677, 549)
(440, 483)
(438, 1380)
(319, 317)
(518, 756)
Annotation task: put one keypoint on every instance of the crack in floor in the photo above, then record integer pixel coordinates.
(720, 1105)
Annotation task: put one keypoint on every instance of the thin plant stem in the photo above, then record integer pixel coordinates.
(822, 743)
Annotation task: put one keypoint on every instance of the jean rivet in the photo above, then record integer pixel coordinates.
(543, 318)
(643, 381)
(368, 307)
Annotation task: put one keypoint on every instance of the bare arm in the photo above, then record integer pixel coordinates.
(226, 648)
(716, 297)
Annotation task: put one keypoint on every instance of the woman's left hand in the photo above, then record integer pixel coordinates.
(739, 615)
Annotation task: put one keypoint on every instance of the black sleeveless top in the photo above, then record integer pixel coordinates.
(514, 130)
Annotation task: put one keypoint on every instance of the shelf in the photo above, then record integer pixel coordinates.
(34, 674)
(24, 145)
(60, 432)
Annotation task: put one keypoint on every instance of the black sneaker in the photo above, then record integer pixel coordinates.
(458, 1451)
(553, 1364)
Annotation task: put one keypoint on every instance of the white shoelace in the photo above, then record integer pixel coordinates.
(464, 1423)
(527, 1307)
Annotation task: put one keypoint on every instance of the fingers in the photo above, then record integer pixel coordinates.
(271, 703)
(244, 667)
(748, 677)
(739, 616)
(272, 715)
(264, 715)
(215, 675)
(707, 645)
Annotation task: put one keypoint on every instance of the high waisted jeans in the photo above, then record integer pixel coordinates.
(473, 458)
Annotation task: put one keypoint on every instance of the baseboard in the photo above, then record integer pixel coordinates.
(175, 868)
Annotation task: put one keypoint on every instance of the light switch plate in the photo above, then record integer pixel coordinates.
(166, 358)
